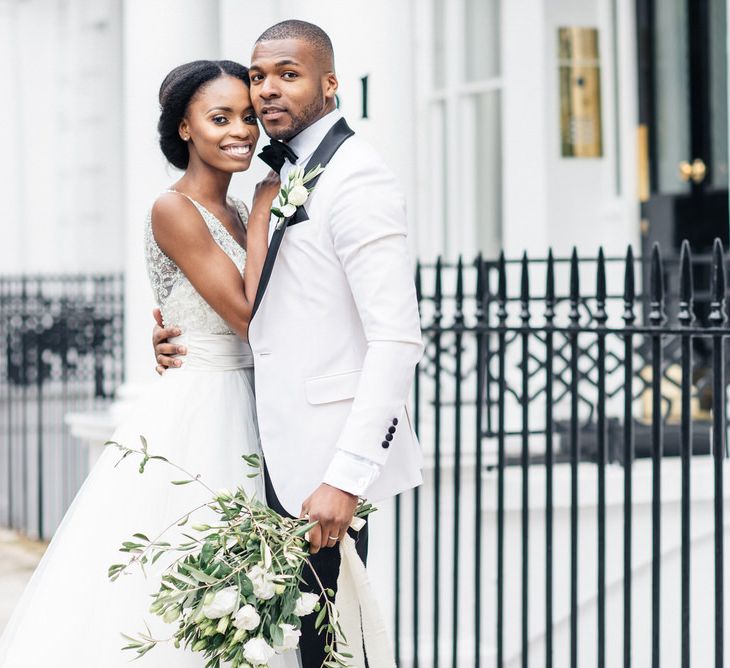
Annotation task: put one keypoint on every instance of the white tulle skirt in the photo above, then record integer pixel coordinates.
(200, 416)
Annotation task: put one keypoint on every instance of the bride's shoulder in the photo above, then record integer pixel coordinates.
(176, 223)
(172, 208)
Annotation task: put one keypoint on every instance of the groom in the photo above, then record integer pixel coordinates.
(335, 332)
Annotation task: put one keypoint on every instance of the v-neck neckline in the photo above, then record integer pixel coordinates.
(214, 217)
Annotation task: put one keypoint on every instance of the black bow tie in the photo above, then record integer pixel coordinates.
(276, 153)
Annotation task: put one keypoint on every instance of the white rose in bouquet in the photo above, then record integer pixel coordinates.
(224, 603)
(298, 195)
(258, 652)
(291, 638)
(247, 618)
(224, 625)
(305, 604)
(263, 586)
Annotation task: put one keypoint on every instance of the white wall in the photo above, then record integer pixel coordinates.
(60, 178)
(372, 39)
(158, 35)
(555, 201)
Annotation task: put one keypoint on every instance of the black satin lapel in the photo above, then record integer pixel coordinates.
(274, 245)
(338, 133)
(300, 215)
(332, 141)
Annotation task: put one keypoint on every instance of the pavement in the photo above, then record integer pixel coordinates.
(18, 558)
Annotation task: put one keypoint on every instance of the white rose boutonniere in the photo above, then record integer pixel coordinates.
(294, 193)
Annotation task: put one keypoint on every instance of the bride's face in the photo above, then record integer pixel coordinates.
(220, 126)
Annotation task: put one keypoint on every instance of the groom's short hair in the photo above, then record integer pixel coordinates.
(308, 32)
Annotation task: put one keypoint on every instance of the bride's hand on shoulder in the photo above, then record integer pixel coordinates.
(264, 195)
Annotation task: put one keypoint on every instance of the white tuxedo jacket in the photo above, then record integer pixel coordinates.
(336, 337)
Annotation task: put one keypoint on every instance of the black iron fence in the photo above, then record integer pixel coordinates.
(554, 411)
(62, 351)
(574, 428)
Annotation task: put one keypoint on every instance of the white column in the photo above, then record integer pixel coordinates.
(158, 35)
(11, 250)
(524, 128)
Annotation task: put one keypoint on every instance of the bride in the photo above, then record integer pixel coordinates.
(204, 254)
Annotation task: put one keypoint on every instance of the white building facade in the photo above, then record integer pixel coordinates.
(464, 100)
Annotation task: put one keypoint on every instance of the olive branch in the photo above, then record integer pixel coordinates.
(223, 557)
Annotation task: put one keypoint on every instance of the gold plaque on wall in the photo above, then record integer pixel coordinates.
(580, 93)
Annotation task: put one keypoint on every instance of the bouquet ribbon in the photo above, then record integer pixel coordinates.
(359, 614)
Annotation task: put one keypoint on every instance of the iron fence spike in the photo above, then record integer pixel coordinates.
(656, 287)
(629, 282)
(685, 313)
(601, 315)
(502, 282)
(525, 289)
(459, 279)
(629, 288)
(502, 289)
(550, 278)
(718, 314)
(574, 314)
(601, 276)
(479, 262)
(482, 289)
(550, 288)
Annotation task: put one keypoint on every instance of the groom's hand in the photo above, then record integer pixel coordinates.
(333, 509)
(164, 351)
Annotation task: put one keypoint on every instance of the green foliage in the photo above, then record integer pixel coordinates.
(250, 556)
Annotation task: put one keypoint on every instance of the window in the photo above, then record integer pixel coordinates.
(460, 127)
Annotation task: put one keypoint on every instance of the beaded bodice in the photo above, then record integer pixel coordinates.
(179, 301)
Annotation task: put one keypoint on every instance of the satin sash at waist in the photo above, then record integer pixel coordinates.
(214, 352)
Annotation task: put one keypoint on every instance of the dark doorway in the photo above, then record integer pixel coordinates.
(683, 122)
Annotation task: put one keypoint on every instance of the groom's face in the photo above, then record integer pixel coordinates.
(292, 86)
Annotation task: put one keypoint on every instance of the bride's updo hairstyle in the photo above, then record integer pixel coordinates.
(176, 93)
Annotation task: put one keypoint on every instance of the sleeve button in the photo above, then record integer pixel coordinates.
(389, 437)
(385, 444)
(395, 422)
(391, 430)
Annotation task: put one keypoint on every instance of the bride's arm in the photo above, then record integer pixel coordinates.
(257, 237)
(183, 236)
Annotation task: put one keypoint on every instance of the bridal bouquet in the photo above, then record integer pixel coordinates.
(232, 586)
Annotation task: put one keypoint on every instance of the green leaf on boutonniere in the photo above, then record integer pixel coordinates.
(315, 171)
(277, 212)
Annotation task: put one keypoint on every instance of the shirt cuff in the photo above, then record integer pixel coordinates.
(351, 473)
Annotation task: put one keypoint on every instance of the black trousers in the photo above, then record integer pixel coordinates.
(327, 565)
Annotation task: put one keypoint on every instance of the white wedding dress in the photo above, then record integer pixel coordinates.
(202, 417)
